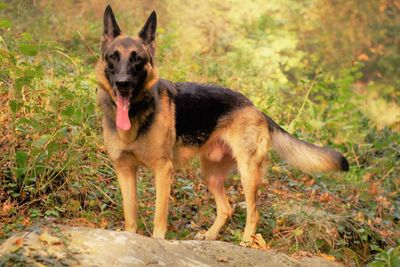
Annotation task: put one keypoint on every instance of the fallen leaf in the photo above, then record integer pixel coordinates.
(310, 182)
(360, 217)
(363, 57)
(7, 206)
(367, 176)
(81, 222)
(276, 168)
(193, 224)
(383, 201)
(19, 242)
(385, 233)
(332, 231)
(377, 221)
(12, 245)
(26, 221)
(49, 239)
(374, 188)
(327, 257)
(258, 242)
(301, 254)
(103, 223)
(325, 197)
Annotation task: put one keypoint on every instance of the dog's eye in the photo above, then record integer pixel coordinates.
(113, 56)
(135, 57)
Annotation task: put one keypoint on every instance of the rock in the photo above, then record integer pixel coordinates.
(77, 246)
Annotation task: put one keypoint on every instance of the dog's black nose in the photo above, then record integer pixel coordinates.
(123, 85)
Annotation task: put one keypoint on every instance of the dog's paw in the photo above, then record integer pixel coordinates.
(205, 235)
(200, 235)
(246, 244)
(131, 229)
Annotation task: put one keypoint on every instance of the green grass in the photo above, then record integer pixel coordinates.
(53, 163)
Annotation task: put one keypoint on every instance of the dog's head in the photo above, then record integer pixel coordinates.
(127, 64)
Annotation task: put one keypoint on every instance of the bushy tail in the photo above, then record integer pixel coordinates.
(305, 156)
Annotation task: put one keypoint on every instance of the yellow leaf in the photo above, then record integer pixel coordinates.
(49, 239)
(327, 257)
(258, 242)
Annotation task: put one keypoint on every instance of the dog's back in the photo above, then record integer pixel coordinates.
(159, 124)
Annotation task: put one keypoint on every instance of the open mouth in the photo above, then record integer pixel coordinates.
(123, 103)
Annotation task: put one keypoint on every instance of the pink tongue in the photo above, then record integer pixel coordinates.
(123, 121)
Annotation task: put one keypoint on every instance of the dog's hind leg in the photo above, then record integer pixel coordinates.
(251, 174)
(126, 174)
(248, 138)
(215, 174)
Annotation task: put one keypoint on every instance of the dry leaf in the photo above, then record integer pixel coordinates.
(7, 206)
(81, 222)
(363, 57)
(385, 233)
(49, 239)
(360, 217)
(325, 197)
(18, 244)
(383, 201)
(367, 176)
(301, 254)
(310, 182)
(327, 257)
(26, 221)
(258, 242)
(12, 245)
(193, 224)
(332, 231)
(103, 223)
(276, 168)
(374, 188)
(377, 221)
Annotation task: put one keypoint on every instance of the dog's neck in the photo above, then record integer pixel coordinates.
(142, 102)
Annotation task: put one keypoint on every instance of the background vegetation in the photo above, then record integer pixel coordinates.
(327, 71)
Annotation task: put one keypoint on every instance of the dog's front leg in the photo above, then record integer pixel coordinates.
(163, 177)
(126, 174)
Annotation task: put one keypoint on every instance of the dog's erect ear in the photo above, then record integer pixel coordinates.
(148, 33)
(111, 28)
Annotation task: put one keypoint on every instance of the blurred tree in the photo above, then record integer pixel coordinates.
(340, 32)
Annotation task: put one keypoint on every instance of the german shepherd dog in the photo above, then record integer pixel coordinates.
(151, 122)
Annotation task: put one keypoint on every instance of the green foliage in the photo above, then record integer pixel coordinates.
(49, 123)
(388, 258)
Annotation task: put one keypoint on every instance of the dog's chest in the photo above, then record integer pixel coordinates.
(155, 144)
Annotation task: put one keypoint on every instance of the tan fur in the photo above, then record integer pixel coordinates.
(241, 139)
(102, 79)
(307, 157)
(152, 78)
(159, 151)
(126, 173)
(238, 140)
(215, 174)
(152, 150)
(183, 154)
